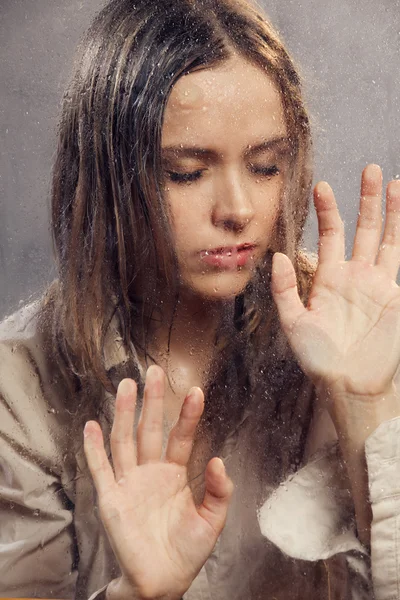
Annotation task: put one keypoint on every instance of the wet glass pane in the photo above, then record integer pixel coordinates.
(157, 172)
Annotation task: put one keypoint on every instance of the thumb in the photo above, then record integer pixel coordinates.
(284, 291)
(219, 490)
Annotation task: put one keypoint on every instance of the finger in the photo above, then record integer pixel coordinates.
(330, 225)
(389, 252)
(181, 438)
(369, 224)
(96, 457)
(284, 291)
(122, 444)
(150, 427)
(219, 489)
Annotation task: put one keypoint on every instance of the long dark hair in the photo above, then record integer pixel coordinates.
(110, 223)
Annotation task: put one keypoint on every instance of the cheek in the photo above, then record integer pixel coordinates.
(267, 204)
(187, 216)
(186, 209)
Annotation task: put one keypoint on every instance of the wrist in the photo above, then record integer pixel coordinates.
(356, 417)
(121, 589)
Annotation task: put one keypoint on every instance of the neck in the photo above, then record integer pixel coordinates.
(185, 323)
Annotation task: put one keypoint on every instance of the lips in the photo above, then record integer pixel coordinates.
(228, 257)
(227, 250)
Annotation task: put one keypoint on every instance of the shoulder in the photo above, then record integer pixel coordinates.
(33, 393)
(26, 341)
(23, 342)
(37, 411)
(20, 325)
(18, 332)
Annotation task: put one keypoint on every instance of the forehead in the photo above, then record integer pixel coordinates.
(233, 99)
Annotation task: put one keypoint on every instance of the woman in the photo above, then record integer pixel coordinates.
(180, 190)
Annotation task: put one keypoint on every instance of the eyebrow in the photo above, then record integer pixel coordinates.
(208, 154)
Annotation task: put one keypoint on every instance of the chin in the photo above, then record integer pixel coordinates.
(222, 286)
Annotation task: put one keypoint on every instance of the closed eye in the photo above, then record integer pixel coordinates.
(265, 171)
(184, 177)
(192, 176)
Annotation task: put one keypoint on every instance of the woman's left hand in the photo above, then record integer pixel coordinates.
(347, 339)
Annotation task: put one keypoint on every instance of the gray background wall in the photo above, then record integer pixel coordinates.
(349, 51)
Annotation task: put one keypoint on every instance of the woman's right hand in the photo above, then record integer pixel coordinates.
(160, 538)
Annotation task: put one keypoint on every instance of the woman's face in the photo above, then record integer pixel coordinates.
(225, 152)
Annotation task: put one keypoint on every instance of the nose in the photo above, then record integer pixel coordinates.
(232, 209)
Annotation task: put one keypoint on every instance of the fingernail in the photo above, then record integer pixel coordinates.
(373, 170)
(153, 373)
(193, 401)
(394, 188)
(278, 262)
(126, 387)
(323, 188)
(192, 393)
(86, 430)
(222, 469)
(275, 263)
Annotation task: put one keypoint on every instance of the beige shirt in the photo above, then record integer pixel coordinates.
(300, 545)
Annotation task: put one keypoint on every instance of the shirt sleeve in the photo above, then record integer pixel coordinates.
(100, 594)
(309, 517)
(37, 546)
(382, 451)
